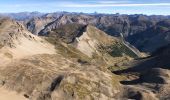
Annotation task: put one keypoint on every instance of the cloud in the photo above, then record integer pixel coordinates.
(114, 5)
(106, 4)
(85, 4)
(113, 2)
(95, 4)
(22, 5)
(88, 5)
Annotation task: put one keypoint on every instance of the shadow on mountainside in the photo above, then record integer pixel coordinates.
(160, 61)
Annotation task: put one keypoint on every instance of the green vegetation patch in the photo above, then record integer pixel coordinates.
(118, 50)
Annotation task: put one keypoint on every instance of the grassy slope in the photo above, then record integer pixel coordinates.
(110, 48)
(67, 50)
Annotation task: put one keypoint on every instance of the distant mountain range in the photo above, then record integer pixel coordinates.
(142, 31)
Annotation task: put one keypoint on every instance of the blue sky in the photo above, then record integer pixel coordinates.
(158, 7)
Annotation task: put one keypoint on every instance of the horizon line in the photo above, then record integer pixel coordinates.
(95, 12)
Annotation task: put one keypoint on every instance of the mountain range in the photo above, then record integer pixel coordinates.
(78, 56)
(136, 29)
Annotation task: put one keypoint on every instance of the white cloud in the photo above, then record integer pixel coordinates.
(113, 2)
(113, 5)
(89, 4)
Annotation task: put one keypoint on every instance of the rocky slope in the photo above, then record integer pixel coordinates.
(37, 24)
(60, 69)
(44, 77)
(17, 42)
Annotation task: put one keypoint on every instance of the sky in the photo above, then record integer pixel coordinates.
(149, 7)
